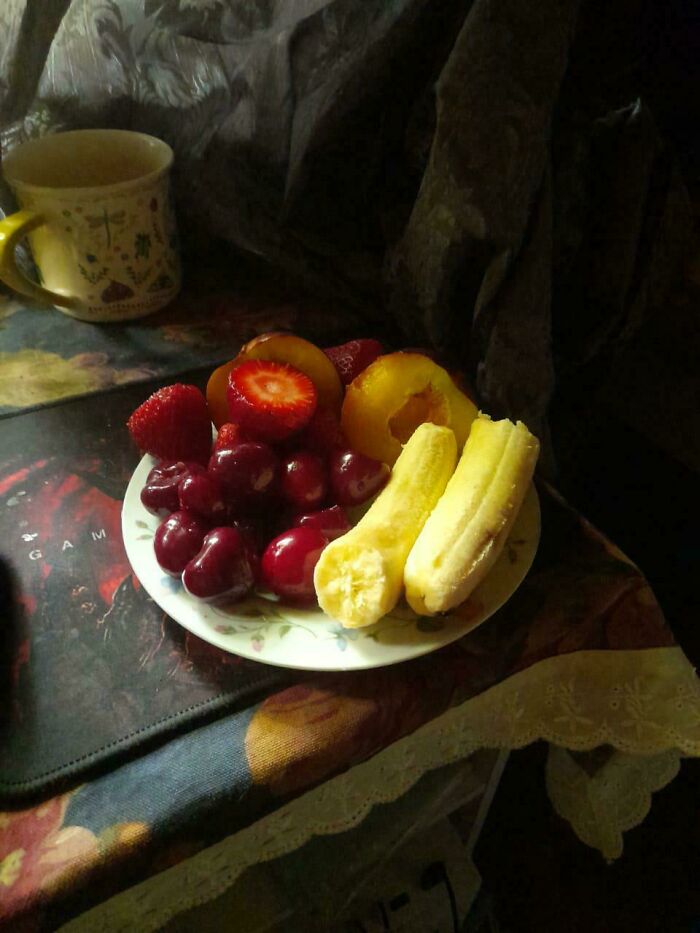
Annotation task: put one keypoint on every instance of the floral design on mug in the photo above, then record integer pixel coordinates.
(163, 281)
(105, 219)
(138, 277)
(95, 276)
(142, 245)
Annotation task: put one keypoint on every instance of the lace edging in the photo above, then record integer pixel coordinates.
(601, 808)
(577, 701)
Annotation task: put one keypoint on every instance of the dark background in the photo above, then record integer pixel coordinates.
(636, 478)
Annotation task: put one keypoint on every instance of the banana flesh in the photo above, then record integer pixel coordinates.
(464, 535)
(359, 577)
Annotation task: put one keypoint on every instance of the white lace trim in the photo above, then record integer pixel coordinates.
(643, 703)
(603, 806)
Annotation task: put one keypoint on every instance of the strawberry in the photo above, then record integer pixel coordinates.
(173, 424)
(270, 401)
(351, 358)
(322, 434)
(229, 436)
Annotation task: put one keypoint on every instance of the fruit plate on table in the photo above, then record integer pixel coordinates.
(264, 629)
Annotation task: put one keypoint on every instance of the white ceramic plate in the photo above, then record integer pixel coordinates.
(266, 630)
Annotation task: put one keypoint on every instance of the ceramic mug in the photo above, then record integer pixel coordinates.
(95, 207)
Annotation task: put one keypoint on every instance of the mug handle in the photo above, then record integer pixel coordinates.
(13, 229)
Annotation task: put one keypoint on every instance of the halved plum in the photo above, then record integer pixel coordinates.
(278, 347)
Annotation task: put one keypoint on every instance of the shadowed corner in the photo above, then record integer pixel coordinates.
(9, 637)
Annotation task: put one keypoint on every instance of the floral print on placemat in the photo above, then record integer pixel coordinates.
(46, 355)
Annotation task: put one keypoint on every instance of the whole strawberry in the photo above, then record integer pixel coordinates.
(173, 424)
(351, 358)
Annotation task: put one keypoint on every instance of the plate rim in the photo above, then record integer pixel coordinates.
(209, 634)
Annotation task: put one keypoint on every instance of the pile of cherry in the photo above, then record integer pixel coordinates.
(255, 511)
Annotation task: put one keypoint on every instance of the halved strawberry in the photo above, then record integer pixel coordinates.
(351, 358)
(173, 424)
(270, 401)
(229, 436)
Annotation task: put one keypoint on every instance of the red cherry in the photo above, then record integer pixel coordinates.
(332, 522)
(220, 568)
(160, 491)
(248, 474)
(177, 540)
(253, 542)
(289, 561)
(203, 495)
(355, 478)
(303, 480)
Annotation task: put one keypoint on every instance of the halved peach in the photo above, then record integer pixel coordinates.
(216, 394)
(385, 404)
(280, 348)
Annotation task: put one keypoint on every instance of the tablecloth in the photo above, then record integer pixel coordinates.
(580, 657)
(330, 879)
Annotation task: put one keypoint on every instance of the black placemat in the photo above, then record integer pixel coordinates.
(91, 670)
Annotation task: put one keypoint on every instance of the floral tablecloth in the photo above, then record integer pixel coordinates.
(580, 657)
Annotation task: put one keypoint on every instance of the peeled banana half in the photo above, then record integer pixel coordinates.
(359, 577)
(465, 533)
